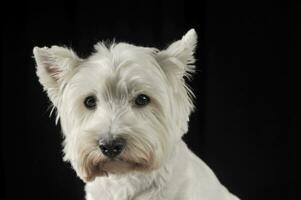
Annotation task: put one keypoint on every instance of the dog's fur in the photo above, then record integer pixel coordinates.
(155, 164)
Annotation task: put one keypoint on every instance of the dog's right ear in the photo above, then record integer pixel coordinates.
(55, 66)
(178, 59)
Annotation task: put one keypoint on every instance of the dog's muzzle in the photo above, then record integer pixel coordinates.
(112, 147)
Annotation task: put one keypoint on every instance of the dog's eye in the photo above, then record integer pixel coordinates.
(90, 102)
(142, 100)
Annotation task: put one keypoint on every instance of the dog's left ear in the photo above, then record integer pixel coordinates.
(178, 59)
(55, 66)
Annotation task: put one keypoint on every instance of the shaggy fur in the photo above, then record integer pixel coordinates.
(155, 164)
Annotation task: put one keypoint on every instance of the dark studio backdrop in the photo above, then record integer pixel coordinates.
(245, 125)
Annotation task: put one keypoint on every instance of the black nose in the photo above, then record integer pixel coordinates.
(112, 148)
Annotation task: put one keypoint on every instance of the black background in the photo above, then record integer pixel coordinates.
(246, 123)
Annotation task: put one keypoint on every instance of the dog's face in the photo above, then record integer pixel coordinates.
(122, 109)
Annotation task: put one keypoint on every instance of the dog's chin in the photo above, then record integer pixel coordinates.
(115, 167)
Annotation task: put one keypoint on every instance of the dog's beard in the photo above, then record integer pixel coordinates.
(133, 158)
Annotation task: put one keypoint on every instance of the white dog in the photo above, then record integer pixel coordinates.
(123, 112)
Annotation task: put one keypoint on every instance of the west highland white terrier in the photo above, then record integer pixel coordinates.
(123, 112)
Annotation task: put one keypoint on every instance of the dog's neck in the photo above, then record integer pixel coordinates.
(139, 186)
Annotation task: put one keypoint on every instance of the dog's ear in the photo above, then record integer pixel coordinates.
(54, 66)
(178, 59)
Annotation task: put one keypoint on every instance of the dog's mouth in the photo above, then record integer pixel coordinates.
(114, 166)
(120, 166)
(94, 163)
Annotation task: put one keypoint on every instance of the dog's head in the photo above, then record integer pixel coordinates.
(122, 109)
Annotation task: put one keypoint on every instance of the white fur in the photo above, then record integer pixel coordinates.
(156, 164)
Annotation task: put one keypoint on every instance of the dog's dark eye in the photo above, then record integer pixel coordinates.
(90, 102)
(142, 100)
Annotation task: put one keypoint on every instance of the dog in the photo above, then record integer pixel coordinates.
(123, 112)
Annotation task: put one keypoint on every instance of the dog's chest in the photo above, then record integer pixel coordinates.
(123, 190)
